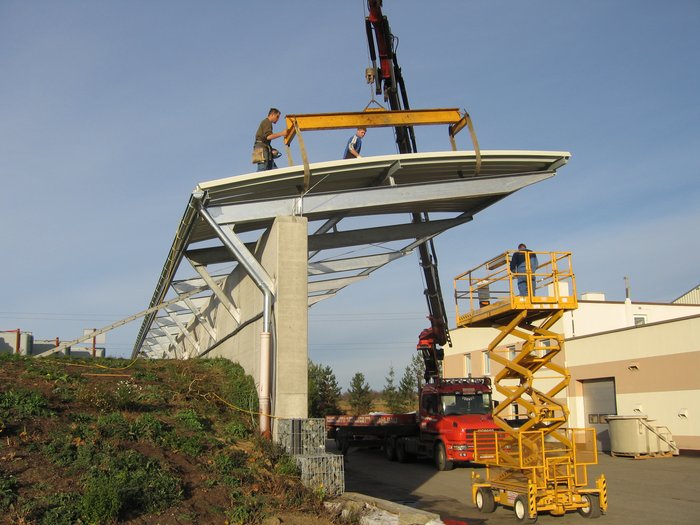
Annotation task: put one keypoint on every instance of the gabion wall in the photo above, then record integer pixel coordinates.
(302, 436)
(324, 472)
(305, 439)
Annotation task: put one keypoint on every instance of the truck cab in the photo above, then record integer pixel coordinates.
(451, 410)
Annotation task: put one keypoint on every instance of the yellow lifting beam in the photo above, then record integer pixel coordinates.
(536, 465)
(377, 118)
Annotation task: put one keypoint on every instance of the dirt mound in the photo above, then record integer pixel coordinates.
(143, 442)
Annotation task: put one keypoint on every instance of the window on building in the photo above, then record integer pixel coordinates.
(468, 364)
(640, 319)
(487, 363)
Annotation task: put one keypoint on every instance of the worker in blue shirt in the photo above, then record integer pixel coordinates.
(354, 145)
(518, 266)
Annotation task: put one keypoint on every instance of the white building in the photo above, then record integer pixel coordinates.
(623, 357)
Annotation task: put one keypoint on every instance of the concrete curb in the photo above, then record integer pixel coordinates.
(375, 511)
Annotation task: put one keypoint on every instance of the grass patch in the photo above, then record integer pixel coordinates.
(148, 428)
(113, 425)
(8, 491)
(24, 404)
(232, 468)
(191, 421)
(128, 481)
(62, 508)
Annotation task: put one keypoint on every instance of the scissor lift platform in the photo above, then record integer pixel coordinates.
(541, 465)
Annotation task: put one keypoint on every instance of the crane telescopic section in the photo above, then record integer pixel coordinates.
(389, 82)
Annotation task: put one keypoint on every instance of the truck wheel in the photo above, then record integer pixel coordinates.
(520, 509)
(484, 500)
(401, 454)
(592, 508)
(440, 455)
(390, 449)
(344, 445)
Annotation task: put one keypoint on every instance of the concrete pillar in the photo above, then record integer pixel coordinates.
(289, 270)
(283, 252)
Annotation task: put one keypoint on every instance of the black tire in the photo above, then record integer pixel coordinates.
(344, 445)
(401, 454)
(520, 510)
(484, 500)
(440, 457)
(592, 509)
(390, 449)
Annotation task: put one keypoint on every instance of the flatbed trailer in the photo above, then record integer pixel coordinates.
(451, 411)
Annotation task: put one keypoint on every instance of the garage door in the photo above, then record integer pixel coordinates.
(598, 403)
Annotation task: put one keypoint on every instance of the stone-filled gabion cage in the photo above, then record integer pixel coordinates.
(302, 436)
(324, 473)
(305, 439)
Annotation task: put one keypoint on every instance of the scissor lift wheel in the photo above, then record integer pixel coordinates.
(484, 500)
(592, 508)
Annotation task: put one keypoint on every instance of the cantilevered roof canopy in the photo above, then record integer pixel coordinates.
(384, 190)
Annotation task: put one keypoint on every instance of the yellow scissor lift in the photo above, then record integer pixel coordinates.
(538, 465)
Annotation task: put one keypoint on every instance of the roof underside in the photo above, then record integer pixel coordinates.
(387, 191)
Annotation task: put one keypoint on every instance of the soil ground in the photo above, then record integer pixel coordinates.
(144, 442)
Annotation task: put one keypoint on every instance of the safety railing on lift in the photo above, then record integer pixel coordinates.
(540, 280)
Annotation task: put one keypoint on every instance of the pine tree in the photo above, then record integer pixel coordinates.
(391, 395)
(407, 389)
(324, 392)
(417, 366)
(359, 395)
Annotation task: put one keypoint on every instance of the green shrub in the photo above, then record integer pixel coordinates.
(83, 426)
(127, 394)
(64, 394)
(101, 501)
(246, 508)
(232, 468)
(113, 425)
(236, 429)
(238, 387)
(102, 400)
(62, 508)
(271, 450)
(128, 480)
(153, 395)
(190, 420)
(287, 466)
(147, 427)
(146, 375)
(24, 404)
(88, 454)
(192, 444)
(61, 450)
(8, 491)
(12, 357)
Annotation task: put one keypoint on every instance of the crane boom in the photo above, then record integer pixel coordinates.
(389, 82)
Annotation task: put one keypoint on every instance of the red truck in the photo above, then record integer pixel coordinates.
(451, 410)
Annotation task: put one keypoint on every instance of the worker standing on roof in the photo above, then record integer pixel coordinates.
(354, 145)
(519, 267)
(264, 154)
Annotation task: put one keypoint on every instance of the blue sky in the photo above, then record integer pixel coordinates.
(111, 112)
